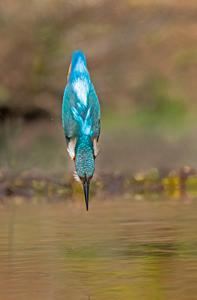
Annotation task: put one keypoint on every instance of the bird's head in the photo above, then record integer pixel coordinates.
(85, 163)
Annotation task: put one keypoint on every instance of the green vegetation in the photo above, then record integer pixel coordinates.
(186, 58)
(152, 184)
(158, 106)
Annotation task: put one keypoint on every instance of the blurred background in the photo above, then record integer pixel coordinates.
(138, 240)
(142, 57)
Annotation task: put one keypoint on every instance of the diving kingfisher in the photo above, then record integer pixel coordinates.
(81, 120)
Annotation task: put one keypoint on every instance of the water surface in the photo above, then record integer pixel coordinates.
(132, 249)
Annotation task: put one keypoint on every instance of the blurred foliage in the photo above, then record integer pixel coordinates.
(4, 95)
(124, 42)
(142, 59)
(158, 104)
(153, 184)
(187, 58)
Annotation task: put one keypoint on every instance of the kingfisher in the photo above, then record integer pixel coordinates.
(81, 120)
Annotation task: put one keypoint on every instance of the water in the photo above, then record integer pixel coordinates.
(118, 250)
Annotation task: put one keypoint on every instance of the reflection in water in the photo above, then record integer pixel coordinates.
(130, 250)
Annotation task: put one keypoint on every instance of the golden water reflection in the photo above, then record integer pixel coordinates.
(118, 250)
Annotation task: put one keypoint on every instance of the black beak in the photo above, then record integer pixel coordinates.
(86, 184)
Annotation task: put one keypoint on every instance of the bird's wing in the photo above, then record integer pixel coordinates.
(95, 112)
(75, 118)
(70, 125)
(95, 118)
(78, 117)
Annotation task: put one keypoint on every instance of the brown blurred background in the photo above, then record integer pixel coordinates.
(142, 56)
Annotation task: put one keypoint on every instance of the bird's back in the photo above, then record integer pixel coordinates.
(81, 109)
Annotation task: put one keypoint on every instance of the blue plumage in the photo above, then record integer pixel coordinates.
(81, 119)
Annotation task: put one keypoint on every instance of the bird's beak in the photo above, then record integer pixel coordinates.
(86, 184)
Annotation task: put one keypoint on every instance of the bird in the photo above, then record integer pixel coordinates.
(81, 116)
